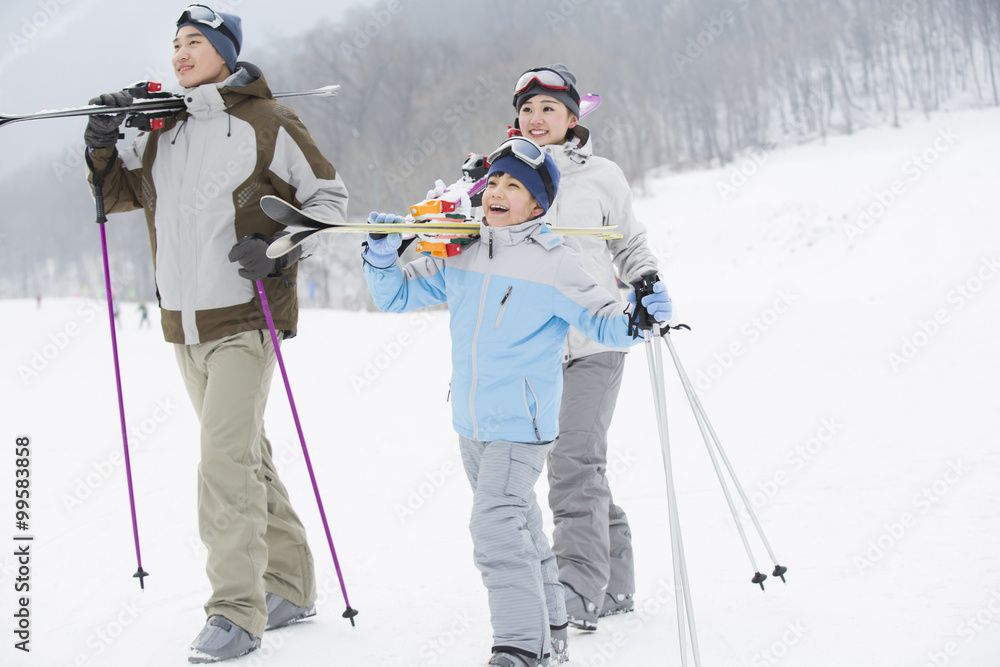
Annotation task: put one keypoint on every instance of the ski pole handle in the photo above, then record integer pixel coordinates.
(641, 320)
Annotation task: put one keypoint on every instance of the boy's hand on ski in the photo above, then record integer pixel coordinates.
(437, 191)
(381, 250)
(102, 130)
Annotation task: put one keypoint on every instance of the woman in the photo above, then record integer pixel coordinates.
(591, 540)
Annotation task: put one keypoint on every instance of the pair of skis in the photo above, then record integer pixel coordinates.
(149, 100)
(439, 221)
(281, 211)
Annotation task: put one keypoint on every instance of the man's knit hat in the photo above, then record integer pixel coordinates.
(227, 38)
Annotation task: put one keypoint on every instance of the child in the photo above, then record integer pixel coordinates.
(513, 295)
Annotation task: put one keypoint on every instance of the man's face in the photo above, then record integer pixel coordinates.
(507, 202)
(195, 60)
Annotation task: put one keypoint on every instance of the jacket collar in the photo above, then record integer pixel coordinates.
(532, 231)
(576, 150)
(211, 99)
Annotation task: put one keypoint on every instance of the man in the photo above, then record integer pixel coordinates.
(199, 180)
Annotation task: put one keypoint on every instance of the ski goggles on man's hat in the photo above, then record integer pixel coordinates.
(531, 154)
(206, 16)
(201, 14)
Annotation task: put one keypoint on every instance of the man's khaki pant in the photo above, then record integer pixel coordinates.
(255, 541)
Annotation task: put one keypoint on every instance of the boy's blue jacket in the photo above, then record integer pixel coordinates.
(512, 294)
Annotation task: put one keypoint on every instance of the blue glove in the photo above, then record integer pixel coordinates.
(658, 304)
(381, 249)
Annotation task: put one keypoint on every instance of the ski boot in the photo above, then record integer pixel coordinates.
(281, 612)
(221, 639)
(581, 613)
(504, 659)
(622, 603)
(559, 652)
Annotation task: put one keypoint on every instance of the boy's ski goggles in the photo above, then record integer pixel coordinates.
(525, 150)
(531, 154)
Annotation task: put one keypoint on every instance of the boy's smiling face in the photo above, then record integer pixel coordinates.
(195, 60)
(507, 202)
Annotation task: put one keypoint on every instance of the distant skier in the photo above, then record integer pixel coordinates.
(143, 316)
(200, 179)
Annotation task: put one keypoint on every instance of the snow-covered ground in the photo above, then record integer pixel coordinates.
(844, 305)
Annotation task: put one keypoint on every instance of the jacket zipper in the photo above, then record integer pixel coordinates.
(526, 387)
(503, 307)
(475, 339)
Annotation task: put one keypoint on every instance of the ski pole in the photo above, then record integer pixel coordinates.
(101, 219)
(349, 613)
(712, 441)
(682, 588)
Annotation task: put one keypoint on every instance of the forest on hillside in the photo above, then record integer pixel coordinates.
(685, 84)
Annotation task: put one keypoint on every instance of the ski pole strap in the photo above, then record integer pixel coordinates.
(640, 319)
(99, 183)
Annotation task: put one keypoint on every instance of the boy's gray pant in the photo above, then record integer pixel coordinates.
(510, 547)
(591, 540)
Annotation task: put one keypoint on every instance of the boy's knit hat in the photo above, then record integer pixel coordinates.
(227, 38)
(533, 178)
(569, 97)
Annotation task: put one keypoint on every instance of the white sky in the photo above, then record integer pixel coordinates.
(56, 54)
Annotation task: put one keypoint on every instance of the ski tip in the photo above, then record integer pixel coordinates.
(328, 91)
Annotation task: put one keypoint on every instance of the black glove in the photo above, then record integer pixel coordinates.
(102, 130)
(251, 253)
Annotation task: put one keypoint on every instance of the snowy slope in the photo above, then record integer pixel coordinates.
(843, 299)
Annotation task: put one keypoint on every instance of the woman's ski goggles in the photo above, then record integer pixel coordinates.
(530, 153)
(543, 77)
(201, 14)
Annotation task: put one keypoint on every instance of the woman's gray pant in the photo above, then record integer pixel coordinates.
(591, 540)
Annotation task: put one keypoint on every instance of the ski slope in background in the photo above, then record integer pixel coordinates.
(844, 305)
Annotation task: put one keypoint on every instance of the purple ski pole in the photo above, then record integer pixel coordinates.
(101, 219)
(349, 613)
